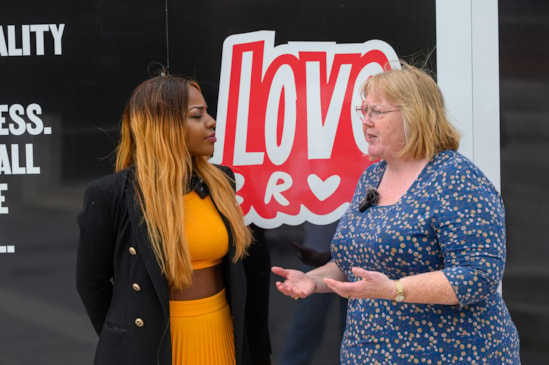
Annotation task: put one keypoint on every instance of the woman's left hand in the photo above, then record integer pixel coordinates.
(372, 284)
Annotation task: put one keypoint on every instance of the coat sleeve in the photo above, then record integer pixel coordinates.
(94, 268)
(257, 267)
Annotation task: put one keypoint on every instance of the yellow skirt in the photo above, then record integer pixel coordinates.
(202, 331)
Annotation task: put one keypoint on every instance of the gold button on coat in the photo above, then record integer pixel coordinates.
(139, 322)
(136, 287)
(132, 251)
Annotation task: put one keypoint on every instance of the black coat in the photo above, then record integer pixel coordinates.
(126, 295)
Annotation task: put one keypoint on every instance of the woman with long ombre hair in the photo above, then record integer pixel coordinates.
(165, 259)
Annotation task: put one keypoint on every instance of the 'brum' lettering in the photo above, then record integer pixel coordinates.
(18, 41)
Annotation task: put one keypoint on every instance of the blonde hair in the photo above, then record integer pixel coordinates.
(420, 101)
(153, 141)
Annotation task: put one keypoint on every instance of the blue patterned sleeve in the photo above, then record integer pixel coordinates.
(470, 225)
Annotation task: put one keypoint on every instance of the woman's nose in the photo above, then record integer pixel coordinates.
(367, 121)
(211, 123)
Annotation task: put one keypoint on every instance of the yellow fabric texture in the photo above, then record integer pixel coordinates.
(207, 236)
(202, 331)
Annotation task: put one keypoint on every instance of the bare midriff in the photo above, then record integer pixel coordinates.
(206, 282)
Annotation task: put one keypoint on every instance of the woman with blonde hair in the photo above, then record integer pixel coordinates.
(165, 263)
(420, 252)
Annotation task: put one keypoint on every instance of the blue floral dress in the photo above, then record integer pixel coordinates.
(450, 219)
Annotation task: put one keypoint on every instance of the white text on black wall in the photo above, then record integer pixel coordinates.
(31, 40)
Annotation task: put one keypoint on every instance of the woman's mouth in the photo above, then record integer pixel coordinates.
(370, 137)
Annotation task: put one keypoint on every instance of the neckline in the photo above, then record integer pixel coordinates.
(410, 189)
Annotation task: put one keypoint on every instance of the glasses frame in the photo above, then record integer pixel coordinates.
(373, 114)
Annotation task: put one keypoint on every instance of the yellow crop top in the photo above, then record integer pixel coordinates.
(206, 233)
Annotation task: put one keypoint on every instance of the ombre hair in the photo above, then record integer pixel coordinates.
(153, 142)
(416, 94)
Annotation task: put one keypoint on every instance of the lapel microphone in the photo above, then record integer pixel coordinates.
(371, 198)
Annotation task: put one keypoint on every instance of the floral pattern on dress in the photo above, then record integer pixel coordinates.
(450, 219)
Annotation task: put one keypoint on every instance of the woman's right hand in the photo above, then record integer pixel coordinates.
(297, 284)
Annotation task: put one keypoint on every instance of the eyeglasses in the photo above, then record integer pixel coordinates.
(373, 114)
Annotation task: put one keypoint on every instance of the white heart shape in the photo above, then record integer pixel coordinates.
(323, 189)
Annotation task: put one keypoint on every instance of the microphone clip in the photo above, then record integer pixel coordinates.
(371, 199)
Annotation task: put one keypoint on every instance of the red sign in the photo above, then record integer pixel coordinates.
(286, 124)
